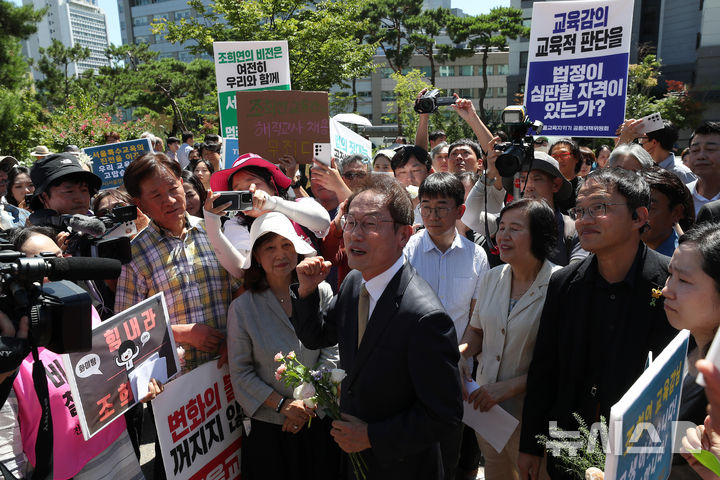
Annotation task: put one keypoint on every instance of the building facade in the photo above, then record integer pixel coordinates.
(72, 22)
(136, 17)
(463, 76)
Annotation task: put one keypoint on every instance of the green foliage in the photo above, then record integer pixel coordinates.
(388, 29)
(406, 89)
(57, 83)
(81, 124)
(424, 30)
(18, 119)
(644, 96)
(578, 452)
(16, 24)
(485, 32)
(323, 36)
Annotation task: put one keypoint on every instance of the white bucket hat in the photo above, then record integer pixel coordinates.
(276, 223)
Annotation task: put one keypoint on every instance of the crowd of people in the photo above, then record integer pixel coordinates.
(416, 271)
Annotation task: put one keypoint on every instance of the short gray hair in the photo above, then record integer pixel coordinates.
(356, 158)
(634, 150)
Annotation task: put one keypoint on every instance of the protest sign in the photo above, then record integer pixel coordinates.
(105, 381)
(641, 424)
(111, 160)
(345, 142)
(199, 425)
(577, 66)
(231, 151)
(247, 66)
(277, 123)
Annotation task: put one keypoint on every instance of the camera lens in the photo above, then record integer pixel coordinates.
(508, 164)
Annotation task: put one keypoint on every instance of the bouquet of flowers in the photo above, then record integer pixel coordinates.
(316, 388)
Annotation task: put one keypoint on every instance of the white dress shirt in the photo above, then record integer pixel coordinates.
(454, 275)
(377, 285)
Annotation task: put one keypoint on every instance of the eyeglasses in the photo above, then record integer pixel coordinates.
(354, 175)
(594, 211)
(441, 212)
(369, 223)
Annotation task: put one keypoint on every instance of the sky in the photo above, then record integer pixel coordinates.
(471, 7)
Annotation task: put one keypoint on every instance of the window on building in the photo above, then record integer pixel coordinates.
(466, 92)
(186, 57)
(467, 70)
(386, 72)
(387, 96)
(523, 59)
(142, 39)
(364, 94)
(490, 69)
(426, 72)
(501, 69)
(446, 71)
(140, 21)
(490, 92)
(161, 16)
(500, 92)
(182, 14)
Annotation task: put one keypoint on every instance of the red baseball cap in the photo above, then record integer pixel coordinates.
(221, 180)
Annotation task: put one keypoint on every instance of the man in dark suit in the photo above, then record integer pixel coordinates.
(402, 392)
(710, 212)
(600, 319)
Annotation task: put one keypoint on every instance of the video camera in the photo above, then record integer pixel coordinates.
(58, 311)
(430, 102)
(114, 242)
(519, 152)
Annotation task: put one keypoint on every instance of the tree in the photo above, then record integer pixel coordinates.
(322, 35)
(485, 32)
(425, 29)
(57, 82)
(645, 95)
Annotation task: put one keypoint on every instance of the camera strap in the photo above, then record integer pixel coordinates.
(44, 440)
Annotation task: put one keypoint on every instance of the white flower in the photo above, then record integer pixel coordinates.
(303, 391)
(337, 375)
(310, 402)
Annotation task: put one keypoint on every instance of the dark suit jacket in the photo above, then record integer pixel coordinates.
(710, 212)
(402, 380)
(556, 375)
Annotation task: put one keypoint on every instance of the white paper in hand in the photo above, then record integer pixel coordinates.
(154, 367)
(495, 426)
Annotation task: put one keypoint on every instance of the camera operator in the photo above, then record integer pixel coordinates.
(108, 454)
(63, 189)
(543, 182)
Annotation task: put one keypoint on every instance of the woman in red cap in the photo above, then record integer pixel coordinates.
(269, 186)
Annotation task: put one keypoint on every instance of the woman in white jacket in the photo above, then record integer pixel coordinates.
(269, 186)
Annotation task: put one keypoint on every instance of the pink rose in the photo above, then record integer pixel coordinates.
(291, 355)
(280, 371)
(278, 357)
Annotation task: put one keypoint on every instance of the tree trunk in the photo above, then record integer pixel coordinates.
(431, 57)
(483, 90)
(354, 94)
(176, 110)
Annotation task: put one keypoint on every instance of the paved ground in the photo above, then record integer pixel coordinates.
(147, 451)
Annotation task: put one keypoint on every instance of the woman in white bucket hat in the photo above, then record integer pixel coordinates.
(280, 444)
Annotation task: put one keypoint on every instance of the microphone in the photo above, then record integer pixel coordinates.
(79, 223)
(83, 268)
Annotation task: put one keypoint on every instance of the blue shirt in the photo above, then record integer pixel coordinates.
(669, 245)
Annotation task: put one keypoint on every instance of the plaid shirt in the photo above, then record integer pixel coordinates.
(197, 288)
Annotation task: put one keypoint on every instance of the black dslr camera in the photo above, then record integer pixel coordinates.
(430, 102)
(519, 152)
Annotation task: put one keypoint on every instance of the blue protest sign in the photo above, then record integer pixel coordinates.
(231, 152)
(110, 161)
(642, 422)
(577, 66)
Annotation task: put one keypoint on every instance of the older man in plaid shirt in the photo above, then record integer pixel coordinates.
(173, 255)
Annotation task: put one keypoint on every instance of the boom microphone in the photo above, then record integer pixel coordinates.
(83, 268)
